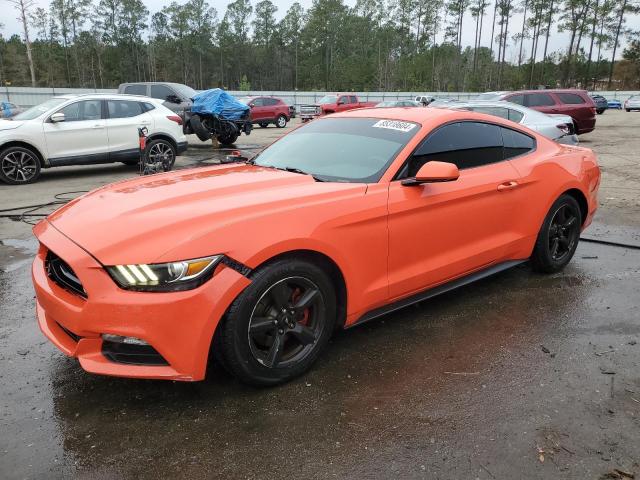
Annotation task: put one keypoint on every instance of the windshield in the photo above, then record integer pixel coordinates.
(386, 104)
(328, 99)
(35, 112)
(184, 91)
(355, 150)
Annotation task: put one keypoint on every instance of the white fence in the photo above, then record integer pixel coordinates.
(27, 96)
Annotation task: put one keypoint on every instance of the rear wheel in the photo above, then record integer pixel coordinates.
(264, 124)
(19, 165)
(161, 151)
(278, 326)
(281, 121)
(558, 238)
(600, 112)
(628, 109)
(227, 139)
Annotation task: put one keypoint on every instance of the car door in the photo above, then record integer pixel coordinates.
(343, 103)
(258, 110)
(270, 106)
(124, 117)
(81, 138)
(440, 231)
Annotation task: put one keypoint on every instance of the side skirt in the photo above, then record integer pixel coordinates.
(432, 292)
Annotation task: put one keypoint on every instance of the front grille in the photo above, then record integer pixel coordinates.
(309, 110)
(62, 274)
(132, 354)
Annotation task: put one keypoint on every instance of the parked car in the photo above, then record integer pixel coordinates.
(632, 103)
(86, 130)
(174, 96)
(9, 110)
(601, 103)
(266, 110)
(398, 103)
(343, 220)
(332, 103)
(575, 103)
(424, 99)
(556, 127)
(614, 104)
(292, 111)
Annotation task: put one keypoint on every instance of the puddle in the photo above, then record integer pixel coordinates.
(17, 254)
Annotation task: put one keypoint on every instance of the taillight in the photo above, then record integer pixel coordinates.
(564, 127)
(175, 118)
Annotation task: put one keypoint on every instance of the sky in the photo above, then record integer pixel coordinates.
(557, 40)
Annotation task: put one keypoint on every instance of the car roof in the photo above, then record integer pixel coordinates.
(548, 90)
(113, 96)
(423, 116)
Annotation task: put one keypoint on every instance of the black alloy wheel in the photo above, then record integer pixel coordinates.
(558, 237)
(18, 166)
(286, 322)
(279, 324)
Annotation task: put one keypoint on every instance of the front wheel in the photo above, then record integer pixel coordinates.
(558, 238)
(19, 165)
(278, 326)
(281, 121)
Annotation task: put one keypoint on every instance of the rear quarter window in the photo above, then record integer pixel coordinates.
(570, 98)
(539, 100)
(135, 90)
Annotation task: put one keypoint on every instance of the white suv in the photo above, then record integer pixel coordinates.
(86, 130)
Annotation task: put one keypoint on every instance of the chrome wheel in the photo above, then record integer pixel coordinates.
(19, 166)
(281, 122)
(286, 322)
(161, 152)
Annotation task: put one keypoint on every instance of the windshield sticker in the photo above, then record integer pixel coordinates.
(395, 125)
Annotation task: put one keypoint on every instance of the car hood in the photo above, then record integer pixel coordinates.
(9, 124)
(158, 218)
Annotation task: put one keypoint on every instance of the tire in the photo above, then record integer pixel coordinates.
(558, 237)
(600, 112)
(281, 121)
(19, 166)
(628, 109)
(161, 150)
(263, 124)
(228, 140)
(199, 129)
(262, 353)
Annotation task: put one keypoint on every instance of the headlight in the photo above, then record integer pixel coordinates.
(165, 277)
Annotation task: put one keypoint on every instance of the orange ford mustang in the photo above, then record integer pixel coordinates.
(342, 220)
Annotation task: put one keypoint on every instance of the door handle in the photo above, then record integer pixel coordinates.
(507, 186)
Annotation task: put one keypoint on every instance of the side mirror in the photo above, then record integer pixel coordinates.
(433, 172)
(57, 117)
(251, 105)
(341, 101)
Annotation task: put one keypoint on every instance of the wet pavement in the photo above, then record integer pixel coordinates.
(517, 376)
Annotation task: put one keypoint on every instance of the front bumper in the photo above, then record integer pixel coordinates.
(178, 325)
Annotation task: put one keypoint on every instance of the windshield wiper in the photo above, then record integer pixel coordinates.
(297, 170)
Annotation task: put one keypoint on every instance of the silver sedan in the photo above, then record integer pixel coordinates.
(556, 127)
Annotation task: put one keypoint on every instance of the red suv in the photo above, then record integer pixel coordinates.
(575, 103)
(266, 110)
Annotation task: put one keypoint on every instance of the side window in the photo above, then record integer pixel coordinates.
(539, 100)
(161, 92)
(466, 144)
(344, 100)
(258, 102)
(147, 107)
(570, 98)
(123, 108)
(353, 99)
(270, 102)
(135, 90)
(83, 111)
(518, 99)
(515, 116)
(516, 143)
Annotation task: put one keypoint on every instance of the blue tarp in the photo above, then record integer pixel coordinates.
(218, 102)
(6, 109)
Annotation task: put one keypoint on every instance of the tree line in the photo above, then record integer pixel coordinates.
(376, 45)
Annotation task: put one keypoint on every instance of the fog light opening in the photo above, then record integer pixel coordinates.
(107, 337)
